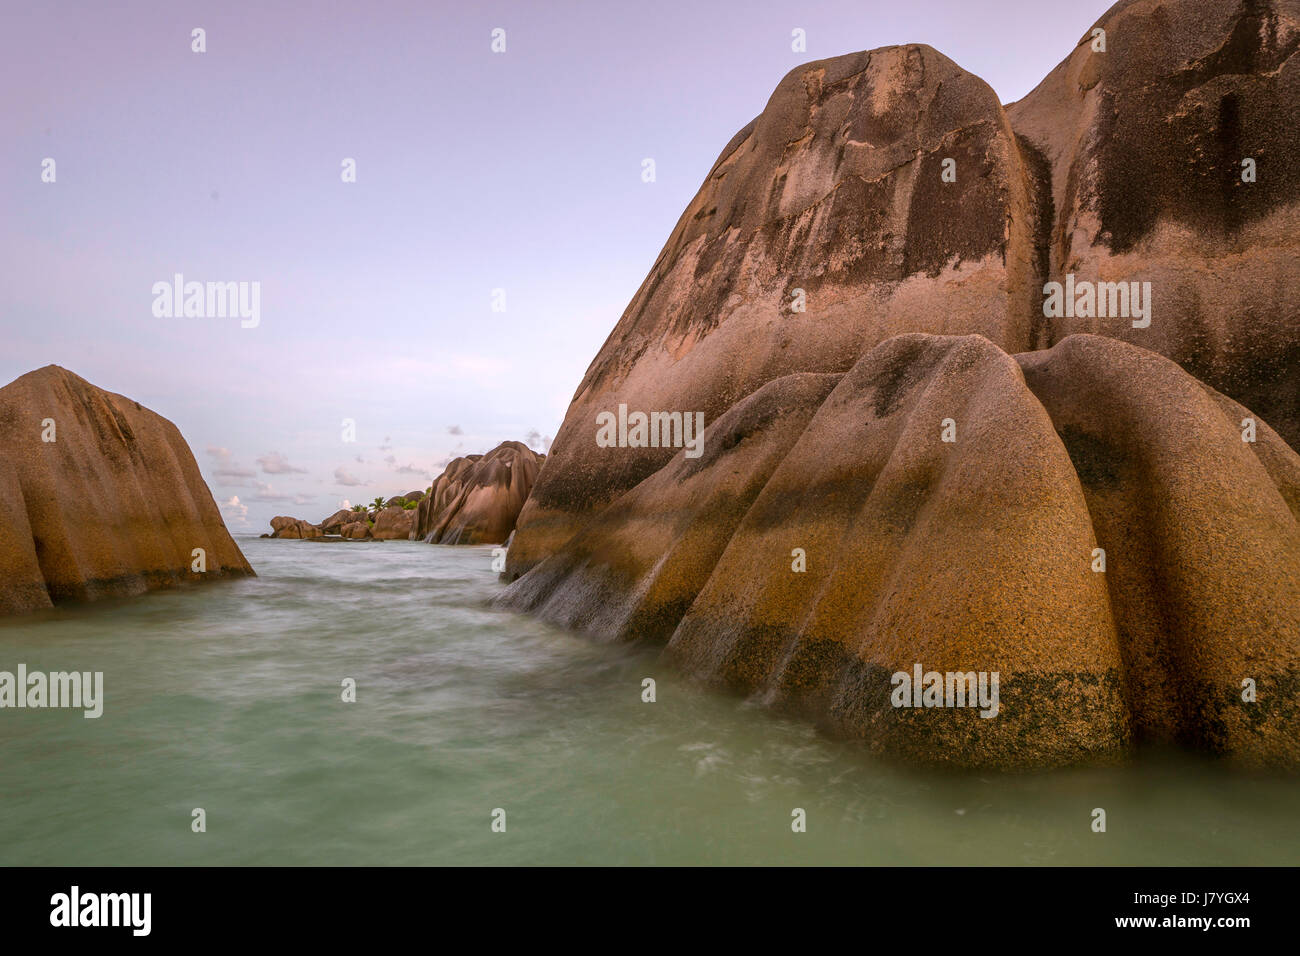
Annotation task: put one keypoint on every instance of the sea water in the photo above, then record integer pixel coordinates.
(229, 698)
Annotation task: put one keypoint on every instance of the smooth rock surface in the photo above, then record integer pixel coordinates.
(477, 498)
(114, 506)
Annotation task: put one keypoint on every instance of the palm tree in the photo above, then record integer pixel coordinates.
(377, 505)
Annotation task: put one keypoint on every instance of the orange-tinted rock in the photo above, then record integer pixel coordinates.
(971, 555)
(637, 565)
(113, 506)
(1202, 544)
(394, 523)
(1097, 532)
(837, 190)
(477, 499)
(356, 530)
(1142, 147)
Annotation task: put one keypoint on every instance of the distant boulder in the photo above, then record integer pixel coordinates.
(394, 523)
(356, 530)
(477, 499)
(286, 527)
(335, 522)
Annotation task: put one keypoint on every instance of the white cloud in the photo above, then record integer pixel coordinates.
(266, 492)
(274, 463)
(234, 511)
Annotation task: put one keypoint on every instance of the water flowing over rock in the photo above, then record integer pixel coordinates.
(477, 499)
(111, 505)
(922, 472)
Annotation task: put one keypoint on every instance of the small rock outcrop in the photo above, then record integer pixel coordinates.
(394, 523)
(284, 526)
(99, 497)
(335, 522)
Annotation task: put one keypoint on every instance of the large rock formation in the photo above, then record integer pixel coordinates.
(837, 191)
(1141, 150)
(112, 505)
(924, 468)
(830, 538)
(477, 499)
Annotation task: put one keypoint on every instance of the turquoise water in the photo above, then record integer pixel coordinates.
(228, 697)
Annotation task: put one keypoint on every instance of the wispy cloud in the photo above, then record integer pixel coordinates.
(347, 480)
(274, 463)
(234, 510)
(227, 467)
(266, 492)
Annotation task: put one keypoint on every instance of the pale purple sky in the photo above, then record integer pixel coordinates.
(475, 171)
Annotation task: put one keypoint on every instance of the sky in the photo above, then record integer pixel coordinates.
(453, 295)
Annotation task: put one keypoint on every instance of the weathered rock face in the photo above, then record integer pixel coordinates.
(356, 530)
(284, 526)
(837, 190)
(830, 538)
(1203, 547)
(477, 499)
(113, 506)
(925, 470)
(1142, 147)
(394, 523)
